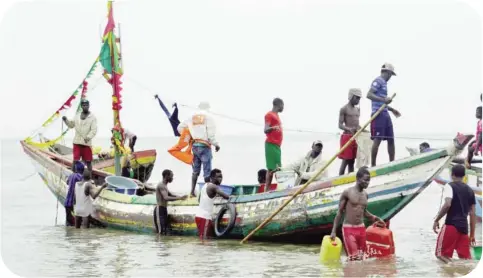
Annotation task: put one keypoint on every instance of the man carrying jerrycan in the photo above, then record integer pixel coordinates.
(353, 204)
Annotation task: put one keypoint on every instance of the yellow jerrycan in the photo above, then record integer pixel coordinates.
(330, 250)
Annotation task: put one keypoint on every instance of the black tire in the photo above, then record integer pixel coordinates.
(227, 207)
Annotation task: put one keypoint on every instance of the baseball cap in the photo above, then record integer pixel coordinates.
(355, 92)
(318, 142)
(84, 101)
(388, 67)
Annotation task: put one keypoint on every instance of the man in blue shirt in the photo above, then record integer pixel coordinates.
(381, 126)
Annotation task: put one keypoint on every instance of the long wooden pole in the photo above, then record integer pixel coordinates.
(316, 175)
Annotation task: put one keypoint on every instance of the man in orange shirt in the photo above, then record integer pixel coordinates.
(274, 133)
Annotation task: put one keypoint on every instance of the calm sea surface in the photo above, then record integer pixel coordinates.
(33, 243)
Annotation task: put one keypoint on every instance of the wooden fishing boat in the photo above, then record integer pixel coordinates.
(142, 162)
(305, 219)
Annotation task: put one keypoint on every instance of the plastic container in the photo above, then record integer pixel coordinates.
(246, 189)
(476, 251)
(285, 179)
(330, 250)
(121, 185)
(380, 242)
(262, 189)
(228, 189)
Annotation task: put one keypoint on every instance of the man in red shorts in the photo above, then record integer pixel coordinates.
(204, 215)
(85, 124)
(459, 202)
(353, 203)
(349, 122)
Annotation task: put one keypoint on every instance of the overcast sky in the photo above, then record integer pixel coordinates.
(239, 55)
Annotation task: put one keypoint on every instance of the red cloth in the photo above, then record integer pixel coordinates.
(205, 227)
(354, 241)
(274, 136)
(351, 151)
(449, 240)
(82, 151)
(478, 134)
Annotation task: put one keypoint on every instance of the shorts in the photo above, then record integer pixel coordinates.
(161, 220)
(381, 127)
(354, 237)
(273, 156)
(82, 151)
(202, 155)
(205, 227)
(351, 151)
(449, 240)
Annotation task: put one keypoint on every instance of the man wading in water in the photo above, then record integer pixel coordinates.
(85, 193)
(163, 196)
(353, 204)
(349, 122)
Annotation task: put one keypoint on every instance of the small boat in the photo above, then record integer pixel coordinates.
(309, 216)
(473, 178)
(142, 162)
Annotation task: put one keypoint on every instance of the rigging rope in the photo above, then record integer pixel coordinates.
(285, 129)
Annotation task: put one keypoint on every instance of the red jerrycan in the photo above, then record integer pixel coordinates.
(380, 242)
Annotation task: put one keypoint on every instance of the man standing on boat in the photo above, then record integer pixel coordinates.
(353, 205)
(72, 180)
(85, 124)
(349, 122)
(476, 146)
(85, 193)
(203, 217)
(273, 131)
(202, 129)
(459, 202)
(381, 126)
(163, 196)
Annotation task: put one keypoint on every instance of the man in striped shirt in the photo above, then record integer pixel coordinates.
(381, 126)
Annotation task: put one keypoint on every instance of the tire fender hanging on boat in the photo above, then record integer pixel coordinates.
(231, 223)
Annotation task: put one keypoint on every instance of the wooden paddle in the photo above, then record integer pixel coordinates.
(317, 174)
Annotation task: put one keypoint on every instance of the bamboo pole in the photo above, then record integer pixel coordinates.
(317, 174)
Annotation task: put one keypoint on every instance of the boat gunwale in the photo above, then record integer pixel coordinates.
(380, 170)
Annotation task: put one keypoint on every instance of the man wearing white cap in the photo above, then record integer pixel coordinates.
(307, 166)
(381, 126)
(202, 129)
(349, 122)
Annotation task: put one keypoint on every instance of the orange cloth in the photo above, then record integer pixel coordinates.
(185, 141)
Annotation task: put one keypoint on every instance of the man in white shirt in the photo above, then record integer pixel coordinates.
(85, 124)
(202, 129)
(131, 137)
(307, 166)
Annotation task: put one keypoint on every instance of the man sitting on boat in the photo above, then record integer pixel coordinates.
(203, 217)
(202, 130)
(163, 196)
(424, 147)
(85, 124)
(307, 166)
(131, 138)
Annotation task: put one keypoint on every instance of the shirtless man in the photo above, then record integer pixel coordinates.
(349, 122)
(353, 203)
(163, 196)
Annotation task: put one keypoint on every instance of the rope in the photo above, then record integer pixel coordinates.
(285, 129)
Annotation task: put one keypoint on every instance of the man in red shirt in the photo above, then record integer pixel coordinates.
(273, 130)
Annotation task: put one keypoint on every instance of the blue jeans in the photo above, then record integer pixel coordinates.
(202, 155)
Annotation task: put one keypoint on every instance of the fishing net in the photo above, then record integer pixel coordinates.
(364, 145)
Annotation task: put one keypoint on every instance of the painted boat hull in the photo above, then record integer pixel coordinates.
(142, 162)
(304, 220)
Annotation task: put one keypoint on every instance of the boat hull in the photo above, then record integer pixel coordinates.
(304, 220)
